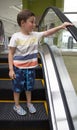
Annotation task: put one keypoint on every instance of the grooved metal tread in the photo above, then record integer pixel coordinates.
(8, 114)
(10, 120)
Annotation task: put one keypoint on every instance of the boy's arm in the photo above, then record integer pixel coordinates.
(10, 57)
(10, 61)
(56, 29)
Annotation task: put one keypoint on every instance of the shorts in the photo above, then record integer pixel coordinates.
(25, 79)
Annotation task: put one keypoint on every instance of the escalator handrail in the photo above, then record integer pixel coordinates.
(62, 17)
(71, 29)
(52, 85)
(69, 118)
(52, 118)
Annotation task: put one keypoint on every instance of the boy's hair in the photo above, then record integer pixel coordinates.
(24, 15)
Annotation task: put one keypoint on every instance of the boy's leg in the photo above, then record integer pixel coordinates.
(17, 107)
(29, 84)
(16, 98)
(28, 96)
(30, 106)
(18, 84)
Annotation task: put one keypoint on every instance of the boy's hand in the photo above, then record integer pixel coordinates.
(12, 74)
(65, 24)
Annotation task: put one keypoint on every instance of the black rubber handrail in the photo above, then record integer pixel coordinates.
(62, 17)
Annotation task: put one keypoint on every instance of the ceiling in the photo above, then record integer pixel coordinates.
(9, 10)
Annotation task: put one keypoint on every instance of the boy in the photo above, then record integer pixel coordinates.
(22, 57)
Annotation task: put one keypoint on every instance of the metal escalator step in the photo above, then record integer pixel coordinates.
(7, 84)
(39, 73)
(9, 119)
(3, 58)
(7, 94)
(4, 71)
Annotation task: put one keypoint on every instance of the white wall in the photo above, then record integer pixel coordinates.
(10, 28)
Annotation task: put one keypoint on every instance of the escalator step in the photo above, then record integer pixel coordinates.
(3, 58)
(10, 119)
(7, 94)
(4, 71)
(7, 84)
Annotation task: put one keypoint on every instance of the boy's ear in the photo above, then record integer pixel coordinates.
(22, 22)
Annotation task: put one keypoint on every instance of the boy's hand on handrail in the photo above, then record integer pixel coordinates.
(65, 24)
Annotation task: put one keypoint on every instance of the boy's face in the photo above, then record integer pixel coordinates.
(29, 25)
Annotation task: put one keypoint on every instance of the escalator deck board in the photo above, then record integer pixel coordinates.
(9, 116)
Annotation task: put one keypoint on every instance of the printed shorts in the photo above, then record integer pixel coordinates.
(25, 79)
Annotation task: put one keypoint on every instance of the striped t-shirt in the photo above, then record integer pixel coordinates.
(26, 49)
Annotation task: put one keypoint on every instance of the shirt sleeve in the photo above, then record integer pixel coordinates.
(40, 35)
(12, 42)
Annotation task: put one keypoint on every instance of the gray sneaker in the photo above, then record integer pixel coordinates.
(19, 110)
(31, 108)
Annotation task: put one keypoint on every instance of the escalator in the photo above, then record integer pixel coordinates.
(49, 95)
(8, 118)
(64, 85)
(46, 98)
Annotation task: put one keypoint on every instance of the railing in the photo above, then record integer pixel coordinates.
(53, 17)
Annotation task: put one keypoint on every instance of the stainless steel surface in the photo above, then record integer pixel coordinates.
(57, 111)
(67, 85)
